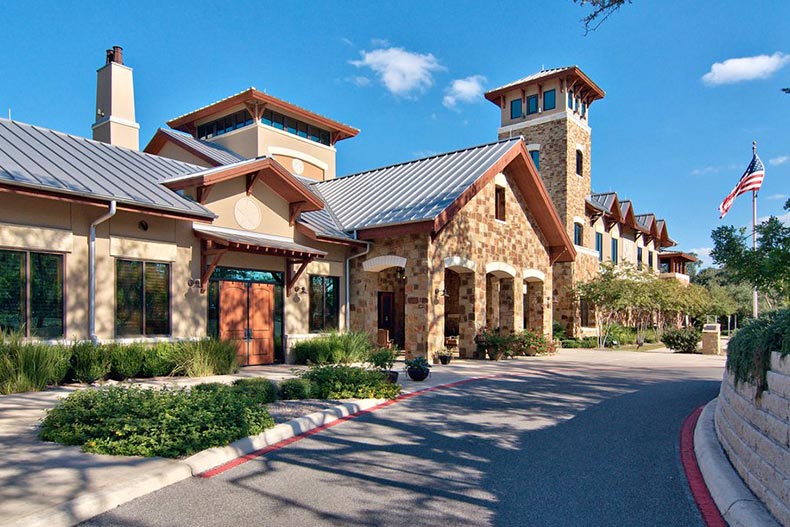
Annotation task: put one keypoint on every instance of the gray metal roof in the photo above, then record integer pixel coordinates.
(42, 159)
(604, 200)
(255, 239)
(534, 76)
(645, 220)
(220, 154)
(624, 206)
(408, 192)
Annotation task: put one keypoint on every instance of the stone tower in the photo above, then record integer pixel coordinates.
(115, 123)
(551, 110)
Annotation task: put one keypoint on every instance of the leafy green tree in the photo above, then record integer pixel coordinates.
(767, 268)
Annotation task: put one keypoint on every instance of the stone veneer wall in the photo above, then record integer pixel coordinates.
(755, 434)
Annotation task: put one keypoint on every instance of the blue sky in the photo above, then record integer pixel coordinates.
(673, 134)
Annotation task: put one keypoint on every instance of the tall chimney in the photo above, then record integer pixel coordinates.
(115, 123)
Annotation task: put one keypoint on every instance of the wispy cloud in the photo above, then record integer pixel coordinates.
(379, 42)
(402, 72)
(359, 80)
(781, 160)
(703, 254)
(346, 41)
(469, 89)
(777, 197)
(745, 69)
(784, 218)
(424, 153)
(712, 169)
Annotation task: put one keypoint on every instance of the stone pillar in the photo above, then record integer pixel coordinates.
(363, 305)
(469, 304)
(435, 312)
(492, 302)
(506, 305)
(518, 304)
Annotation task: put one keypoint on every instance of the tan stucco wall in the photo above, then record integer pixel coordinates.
(273, 209)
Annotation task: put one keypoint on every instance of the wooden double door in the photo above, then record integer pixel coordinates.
(246, 316)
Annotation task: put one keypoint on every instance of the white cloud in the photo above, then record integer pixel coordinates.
(402, 72)
(359, 80)
(346, 41)
(379, 42)
(781, 160)
(784, 218)
(466, 90)
(424, 153)
(745, 69)
(777, 197)
(703, 254)
(712, 170)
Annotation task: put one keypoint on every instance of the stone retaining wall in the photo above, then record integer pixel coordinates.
(755, 434)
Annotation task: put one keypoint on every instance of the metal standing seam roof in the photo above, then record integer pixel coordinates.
(255, 239)
(532, 77)
(408, 192)
(42, 159)
(220, 154)
(604, 200)
(645, 220)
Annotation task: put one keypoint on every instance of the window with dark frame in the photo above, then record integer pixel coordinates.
(639, 258)
(499, 203)
(32, 293)
(532, 104)
(579, 163)
(324, 303)
(535, 155)
(549, 100)
(570, 99)
(516, 111)
(578, 234)
(615, 248)
(650, 259)
(599, 245)
(142, 298)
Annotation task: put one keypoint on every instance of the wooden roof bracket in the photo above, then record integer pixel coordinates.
(290, 277)
(207, 248)
(202, 193)
(252, 179)
(294, 209)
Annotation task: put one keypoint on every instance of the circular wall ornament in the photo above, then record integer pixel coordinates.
(298, 166)
(247, 213)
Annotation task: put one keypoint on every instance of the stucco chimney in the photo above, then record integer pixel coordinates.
(115, 123)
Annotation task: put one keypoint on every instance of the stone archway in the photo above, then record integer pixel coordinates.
(500, 296)
(388, 294)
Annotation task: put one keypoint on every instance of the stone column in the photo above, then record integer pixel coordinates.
(472, 313)
(506, 305)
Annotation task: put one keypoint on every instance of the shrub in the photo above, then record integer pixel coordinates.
(292, 389)
(382, 358)
(558, 331)
(571, 343)
(651, 336)
(749, 351)
(590, 342)
(140, 422)
(204, 357)
(334, 348)
(620, 335)
(30, 366)
(158, 360)
(90, 362)
(126, 360)
(262, 391)
(681, 340)
(349, 382)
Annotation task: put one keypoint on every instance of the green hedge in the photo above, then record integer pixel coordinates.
(293, 389)
(681, 340)
(132, 421)
(749, 350)
(26, 366)
(349, 382)
(334, 348)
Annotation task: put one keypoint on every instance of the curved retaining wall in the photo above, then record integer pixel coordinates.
(755, 434)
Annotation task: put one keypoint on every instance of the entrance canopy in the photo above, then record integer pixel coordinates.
(216, 241)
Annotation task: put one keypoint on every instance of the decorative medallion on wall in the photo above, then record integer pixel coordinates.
(298, 166)
(247, 213)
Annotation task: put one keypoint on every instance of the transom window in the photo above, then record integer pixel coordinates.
(224, 125)
(324, 303)
(296, 127)
(142, 298)
(549, 100)
(499, 203)
(515, 109)
(31, 293)
(532, 104)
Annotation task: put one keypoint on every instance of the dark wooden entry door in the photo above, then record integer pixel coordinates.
(261, 322)
(246, 316)
(387, 312)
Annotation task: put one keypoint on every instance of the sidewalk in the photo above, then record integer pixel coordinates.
(53, 485)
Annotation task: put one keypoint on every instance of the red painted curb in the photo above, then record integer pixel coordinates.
(285, 442)
(707, 507)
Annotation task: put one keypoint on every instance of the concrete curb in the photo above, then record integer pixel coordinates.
(87, 506)
(737, 504)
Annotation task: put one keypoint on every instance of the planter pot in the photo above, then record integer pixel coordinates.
(392, 376)
(418, 374)
(495, 354)
(445, 359)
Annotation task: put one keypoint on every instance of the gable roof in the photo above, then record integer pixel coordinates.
(212, 153)
(44, 162)
(429, 191)
(583, 85)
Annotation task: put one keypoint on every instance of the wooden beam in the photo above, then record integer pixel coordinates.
(202, 193)
(208, 271)
(290, 277)
(293, 211)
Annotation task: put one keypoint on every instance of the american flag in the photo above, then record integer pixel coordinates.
(752, 179)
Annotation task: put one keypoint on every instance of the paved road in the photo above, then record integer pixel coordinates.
(559, 444)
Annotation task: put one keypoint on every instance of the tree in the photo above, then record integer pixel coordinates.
(766, 268)
(602, 9)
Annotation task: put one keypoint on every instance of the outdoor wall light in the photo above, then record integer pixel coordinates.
(440, 292)
(401, 274)
(194, 282)
(299, 291)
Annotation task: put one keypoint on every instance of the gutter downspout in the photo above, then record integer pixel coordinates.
(348, 280)
(92, 271)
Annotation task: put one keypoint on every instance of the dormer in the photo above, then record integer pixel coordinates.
(255, 124)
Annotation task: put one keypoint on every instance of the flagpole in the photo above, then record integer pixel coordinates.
(755, 309)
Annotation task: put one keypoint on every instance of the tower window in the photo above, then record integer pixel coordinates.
(579, 163)
(535, 155)
(599, 245)
(578, 234)
(570, 99)
(516, 109)
(499, 203)
(584, 109)
(532, 104)
(549, 100)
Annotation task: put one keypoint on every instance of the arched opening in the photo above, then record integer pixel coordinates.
(500, 296)
(534, 281)
(390, 290)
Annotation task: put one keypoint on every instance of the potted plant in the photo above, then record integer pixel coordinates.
(481, 341)
(499, 345)
(383, 359)
(418, 368)
(445, 355)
